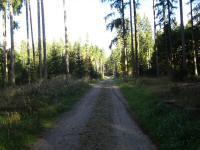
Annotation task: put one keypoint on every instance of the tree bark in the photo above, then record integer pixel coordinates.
(44, 40)
(32, 38)
(170, 55)
(5, 60)
(132, 43)
(166, 54)
(193, 42)
(12, 51)
(136, 40)
(66, 39)
(27, 42)
(39, 39)
(124, 42)
(182, 36)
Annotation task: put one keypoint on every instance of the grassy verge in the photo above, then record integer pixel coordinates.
(27, 111)
(170, 127)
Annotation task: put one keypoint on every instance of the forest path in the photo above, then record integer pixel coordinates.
(99, 121)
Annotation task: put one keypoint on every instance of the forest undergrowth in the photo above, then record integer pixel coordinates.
(167, 111)
(26, 111)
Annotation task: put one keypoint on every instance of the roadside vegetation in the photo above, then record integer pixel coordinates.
(167, 111)
(26, 111)
(33, 93)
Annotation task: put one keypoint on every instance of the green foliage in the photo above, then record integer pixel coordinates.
(177, 72)
(146, 44)
(196, 10)
(17, 5)
(85, 61)
(79, 66)
(56, 63)
(3, 4)
(165, 12)
(115, 64)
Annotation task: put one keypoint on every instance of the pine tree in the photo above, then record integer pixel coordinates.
(39, 39)
(44, 41)
(27, 41)
(184, 64)
(66, 39)
(193, 41)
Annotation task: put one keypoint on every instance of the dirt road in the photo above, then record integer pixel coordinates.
(99, 121)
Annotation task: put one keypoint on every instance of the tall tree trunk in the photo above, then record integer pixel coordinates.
(27, 42)
(39, 39)
(32, 38)
(148, 58)
(132, 43)
(5, 61)
(101, 64)
(155, 39)
(165, 38)
(66, 39)
(44, 40)
(124, 42)
(136, 40)
(193, 42)
(182, 36)
(12, 51)
(115, 69)
(170, 55)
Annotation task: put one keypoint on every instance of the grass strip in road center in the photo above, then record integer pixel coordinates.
(98, 131)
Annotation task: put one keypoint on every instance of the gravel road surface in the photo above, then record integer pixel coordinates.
(100, 121)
